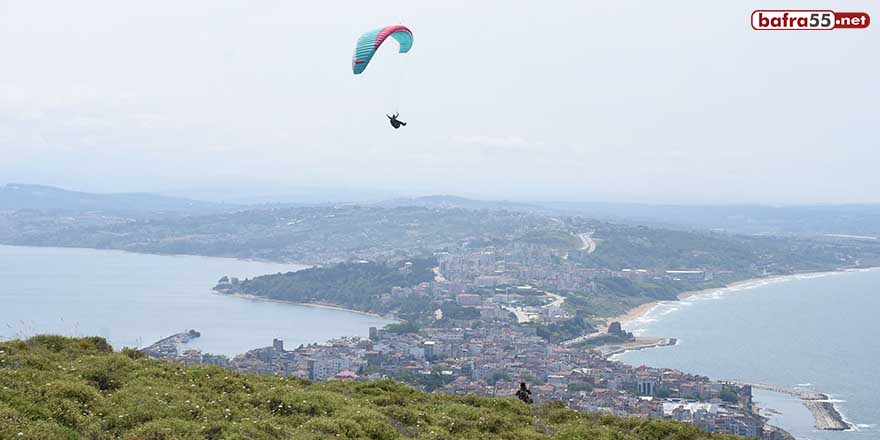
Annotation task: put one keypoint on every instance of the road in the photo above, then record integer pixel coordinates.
(523, 317)
(582, 338)
(557, 300)
(438, 276)
(589, 244)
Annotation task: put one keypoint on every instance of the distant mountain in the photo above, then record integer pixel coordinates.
(17, 196)
(455, 202)
(844, 221)
(859, 221)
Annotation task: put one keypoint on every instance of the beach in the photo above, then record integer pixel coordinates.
(317, 305)
(800, 334)
(643, 310)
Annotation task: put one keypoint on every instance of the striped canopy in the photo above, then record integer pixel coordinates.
(369, 42)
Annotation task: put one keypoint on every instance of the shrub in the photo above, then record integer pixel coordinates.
(60, 388)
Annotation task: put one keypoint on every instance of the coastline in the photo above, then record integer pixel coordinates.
(643, 310)
(826, 412)
(640, 343)
(316, 305)
(169, 254)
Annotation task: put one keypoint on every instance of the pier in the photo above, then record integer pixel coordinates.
(826, 415)
(639, 343)
(169, 346)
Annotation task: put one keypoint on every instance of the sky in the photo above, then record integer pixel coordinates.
(630, 101)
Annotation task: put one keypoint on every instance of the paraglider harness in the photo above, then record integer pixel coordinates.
(524, 393)
(394, 122)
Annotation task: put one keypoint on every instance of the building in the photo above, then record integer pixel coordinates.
(647, 387)
(688, 275)
(326, 367)
(374, 358)
(428, 347)
(468, 299)
(346, 375)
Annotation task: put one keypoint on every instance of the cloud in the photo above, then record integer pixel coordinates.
(705, 108)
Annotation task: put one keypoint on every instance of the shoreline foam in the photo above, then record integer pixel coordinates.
(827, 412)
(645, 310)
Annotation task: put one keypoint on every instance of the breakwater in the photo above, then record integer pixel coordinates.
(823, 410)
(170, 345)
(639, 343)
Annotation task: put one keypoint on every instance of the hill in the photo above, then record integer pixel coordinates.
(17, 196)
(328, 234)
(53, 387)
(456, 202)
(355, 285)
(844, 221)
(305, 234)
(857, 221)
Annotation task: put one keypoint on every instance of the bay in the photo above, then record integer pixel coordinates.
(817, 332)
(135, 299)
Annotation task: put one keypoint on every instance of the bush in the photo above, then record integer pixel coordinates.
(62, 388)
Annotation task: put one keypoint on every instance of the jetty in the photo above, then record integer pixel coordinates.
(639, 343)
(170, 345)
(823, 410)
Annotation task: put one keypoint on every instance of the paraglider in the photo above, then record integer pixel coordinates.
(394, 122)
(369, 43)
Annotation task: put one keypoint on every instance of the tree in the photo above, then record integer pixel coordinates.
(661, 392)
(402, 328)
(498, 376)
(729, 395)
(580, 386)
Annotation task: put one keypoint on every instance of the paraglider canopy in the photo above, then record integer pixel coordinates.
(369, 42)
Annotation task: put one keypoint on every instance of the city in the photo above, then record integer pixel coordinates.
(491, 354)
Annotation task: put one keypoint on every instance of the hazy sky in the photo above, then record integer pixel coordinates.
(565, 100)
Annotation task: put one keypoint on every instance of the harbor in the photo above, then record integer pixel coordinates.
(639, 343)
(170, 345)
(823, 410)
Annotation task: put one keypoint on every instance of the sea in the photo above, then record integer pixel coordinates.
(134, 300)
(818, 332)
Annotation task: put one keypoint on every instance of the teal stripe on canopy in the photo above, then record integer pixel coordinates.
(369, 42)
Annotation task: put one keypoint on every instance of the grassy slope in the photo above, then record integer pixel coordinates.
(54, 387)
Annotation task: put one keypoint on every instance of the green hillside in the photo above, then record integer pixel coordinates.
(53, 387)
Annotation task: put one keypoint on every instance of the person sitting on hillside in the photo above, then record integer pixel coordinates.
(524, 393)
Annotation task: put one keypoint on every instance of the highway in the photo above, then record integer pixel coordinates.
(589, 244)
